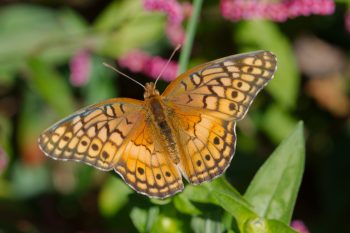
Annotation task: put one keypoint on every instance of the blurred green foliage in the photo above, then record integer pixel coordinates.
(37, 42)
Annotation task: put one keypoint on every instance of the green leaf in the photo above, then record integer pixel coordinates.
(51, 86)
(198, 194)
(206, 225)
(274, 189)
(142, 30)
(255, 34)
(277, 118)
(117, 13)
(184, 205)
(113, 196)
(53, 35)
(259, 225)
(275, 226)
(230, 200)
(72, 35)
(144, 219)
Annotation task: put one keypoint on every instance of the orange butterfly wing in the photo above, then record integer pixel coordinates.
(115, 134)
(207, 100)
(94, 134)
(146, 166)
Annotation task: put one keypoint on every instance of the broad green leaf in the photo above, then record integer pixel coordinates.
(184, 205)
(275, 226)
(140, 31)
(17, 22)
(206, 225)
(113, 196)
(73, 35)
(230, 200)
(228, 221)
(274, 189)
(277, 118)
(198, 194)
(48, 33)
(259, 225)
(51, 86)
(144, 219)
(255, 34)
(117, 13)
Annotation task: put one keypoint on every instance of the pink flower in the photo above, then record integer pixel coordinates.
(171, 7)
(80, 68)
(308, 7)
(176, 13)
(274, 10)
(175, 34)
(347, 21)
(142, 62)
(134, 61)
(156, 64)
(299, 226)
(3, 160)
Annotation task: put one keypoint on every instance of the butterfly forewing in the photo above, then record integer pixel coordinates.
(225, 87)
(93, 135)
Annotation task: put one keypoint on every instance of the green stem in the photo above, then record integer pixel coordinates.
(190, 32)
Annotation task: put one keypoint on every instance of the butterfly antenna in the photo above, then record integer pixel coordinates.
(171, 56)
(121, 73)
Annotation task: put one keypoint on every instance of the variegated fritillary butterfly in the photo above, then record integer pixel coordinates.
(188, 130)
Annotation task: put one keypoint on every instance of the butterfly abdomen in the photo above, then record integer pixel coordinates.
(163, 127)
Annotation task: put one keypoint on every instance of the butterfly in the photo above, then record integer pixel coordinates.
(188, 130)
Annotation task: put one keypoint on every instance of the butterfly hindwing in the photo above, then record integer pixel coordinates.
(208, 145)
(146, 167)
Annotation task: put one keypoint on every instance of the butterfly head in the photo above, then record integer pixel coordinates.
(150, 90)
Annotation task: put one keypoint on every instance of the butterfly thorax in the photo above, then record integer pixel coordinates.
(150, 90)
(158, 116)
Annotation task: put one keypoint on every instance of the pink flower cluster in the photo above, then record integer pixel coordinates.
(274, 10)
(141, 62)
(80, 68)
(347, 21)
(176, 13)
(171, 7)
(299, 226)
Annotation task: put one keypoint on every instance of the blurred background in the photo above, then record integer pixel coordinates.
(51, 55)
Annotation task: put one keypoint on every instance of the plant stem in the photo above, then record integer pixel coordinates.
(190, 32)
